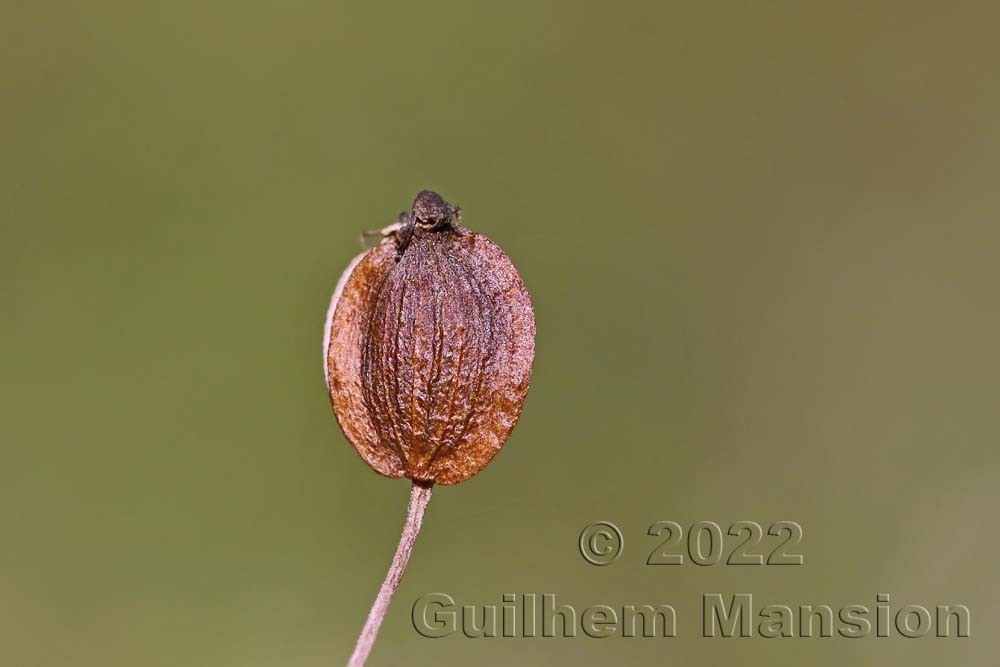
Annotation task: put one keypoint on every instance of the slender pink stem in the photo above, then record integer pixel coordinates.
(420, 493)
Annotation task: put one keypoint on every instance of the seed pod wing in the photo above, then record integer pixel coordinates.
(346, 330)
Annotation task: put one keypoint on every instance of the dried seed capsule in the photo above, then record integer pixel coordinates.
(429, 344)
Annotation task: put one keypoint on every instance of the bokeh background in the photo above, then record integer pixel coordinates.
(762, 243)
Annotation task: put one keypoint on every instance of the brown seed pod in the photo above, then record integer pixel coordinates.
(430, 339)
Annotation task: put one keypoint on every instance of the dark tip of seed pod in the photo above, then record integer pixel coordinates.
(431, 211)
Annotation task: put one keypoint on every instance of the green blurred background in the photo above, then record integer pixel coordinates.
(762, 243)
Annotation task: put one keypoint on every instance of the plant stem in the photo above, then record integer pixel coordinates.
(420, 494)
